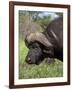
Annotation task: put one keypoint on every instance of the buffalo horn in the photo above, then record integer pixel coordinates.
(40, 37)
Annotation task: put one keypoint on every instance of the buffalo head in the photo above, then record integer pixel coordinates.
(37, 44)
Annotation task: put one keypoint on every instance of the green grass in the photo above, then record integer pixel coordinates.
(43, 70)
(23, 50)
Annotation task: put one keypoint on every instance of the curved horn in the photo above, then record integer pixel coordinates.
(40, 37)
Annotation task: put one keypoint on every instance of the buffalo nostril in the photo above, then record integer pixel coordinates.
(29, 59)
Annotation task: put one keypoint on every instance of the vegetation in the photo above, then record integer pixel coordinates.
(35, 22)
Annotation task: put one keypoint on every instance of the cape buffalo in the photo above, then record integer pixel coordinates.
(46, 44)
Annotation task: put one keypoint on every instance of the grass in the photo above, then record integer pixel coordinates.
(43, 70)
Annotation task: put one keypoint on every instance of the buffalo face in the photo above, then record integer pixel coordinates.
(34, 55)
(37, 42)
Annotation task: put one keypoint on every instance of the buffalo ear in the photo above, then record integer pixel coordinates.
(49, 52)
(39, 37)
